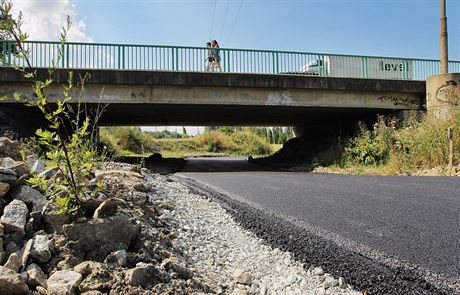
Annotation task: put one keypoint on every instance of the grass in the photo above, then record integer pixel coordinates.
(128, 141)
(401, 148)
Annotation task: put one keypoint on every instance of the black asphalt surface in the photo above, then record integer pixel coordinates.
(414, 221)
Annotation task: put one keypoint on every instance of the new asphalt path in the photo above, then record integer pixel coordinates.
(400, 222)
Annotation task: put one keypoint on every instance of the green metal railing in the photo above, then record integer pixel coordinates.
(194, 59)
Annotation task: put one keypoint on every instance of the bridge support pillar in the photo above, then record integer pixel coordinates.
(442, 93)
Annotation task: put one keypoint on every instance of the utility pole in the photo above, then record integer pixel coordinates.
(444, 53)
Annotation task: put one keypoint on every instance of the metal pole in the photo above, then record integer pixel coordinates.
(444, 53)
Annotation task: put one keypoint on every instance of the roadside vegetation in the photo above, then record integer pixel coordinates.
(65, 144)
(129, 141)
(394, 147)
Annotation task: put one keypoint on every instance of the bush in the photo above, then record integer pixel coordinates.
(214, 141)
(424, 144)
(420, 143)
(371, 147)
(249, 143)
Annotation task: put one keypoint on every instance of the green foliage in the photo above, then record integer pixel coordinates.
(127, 140)
(371, 147)
(214, 141)
(165, 134)
(250, 143)
(419, 143)
(225, 140)
(70, 154)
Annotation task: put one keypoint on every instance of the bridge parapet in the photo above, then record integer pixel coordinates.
(193, 59)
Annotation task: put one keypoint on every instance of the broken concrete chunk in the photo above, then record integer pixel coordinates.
(11, 282)
(100, 233)
(15, 216)
(64, 282)
(36, 276)
(4, 189)
(29, 196)
(40, 248)
(8, 175)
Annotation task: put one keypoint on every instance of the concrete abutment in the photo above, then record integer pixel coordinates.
(442, 93)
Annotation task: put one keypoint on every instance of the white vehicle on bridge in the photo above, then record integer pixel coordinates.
(359, 67)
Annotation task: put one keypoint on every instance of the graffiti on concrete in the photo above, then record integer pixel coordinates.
(278, 98)
(449, 93)
(406, 101)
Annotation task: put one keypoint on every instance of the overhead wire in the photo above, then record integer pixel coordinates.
(213, 16)
(234, 22)
(225, 19)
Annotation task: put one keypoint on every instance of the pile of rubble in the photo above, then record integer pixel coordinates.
(121, 245)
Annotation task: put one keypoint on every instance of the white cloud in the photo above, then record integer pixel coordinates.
(44, 19)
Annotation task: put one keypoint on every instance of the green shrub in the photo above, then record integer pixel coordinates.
(214, 141)
(370, 147)
(420, 143)
(249, 143)
(424, 143)
(72, 154)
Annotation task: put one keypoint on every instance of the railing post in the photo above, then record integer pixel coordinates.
(320, 65)
(9, 52)
(119, 57)
(364, 67)
(275, 63)
(177, 59)
(123, 57)
(63, 55)
(172, 59)
(67, 56)
(226, 62)
(3, 52)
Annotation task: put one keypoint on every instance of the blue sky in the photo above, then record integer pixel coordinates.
(406, 28)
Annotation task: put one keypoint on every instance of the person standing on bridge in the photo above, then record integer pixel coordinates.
(215, 55)
(209, 59)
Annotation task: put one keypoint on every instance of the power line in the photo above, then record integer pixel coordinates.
(234, 23)
(225, 19)
(213, 15)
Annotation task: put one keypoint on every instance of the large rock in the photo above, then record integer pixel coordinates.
(144, 275)
(8, 175)
(40, 249)
(4, 188)
(29, 196)
(36, 276)
(38, 167)
(15, 216)
(97, 277)
(117, 258)
(14, 262)
(54, 220)
(242, 277)
(107, 208)
(17, 166)
(11, 282)
(182, 272)
(102, 236)
(10, 148)
(64, 282)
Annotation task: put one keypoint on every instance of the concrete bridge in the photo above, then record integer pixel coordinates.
(190, 98)
(167, 85)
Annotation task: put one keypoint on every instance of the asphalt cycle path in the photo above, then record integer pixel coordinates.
(396, 220)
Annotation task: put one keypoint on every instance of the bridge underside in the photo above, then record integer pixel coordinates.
(206, 115)
(190, 99)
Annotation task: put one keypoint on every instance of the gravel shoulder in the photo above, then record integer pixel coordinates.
(233, 258)
(364, 269)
